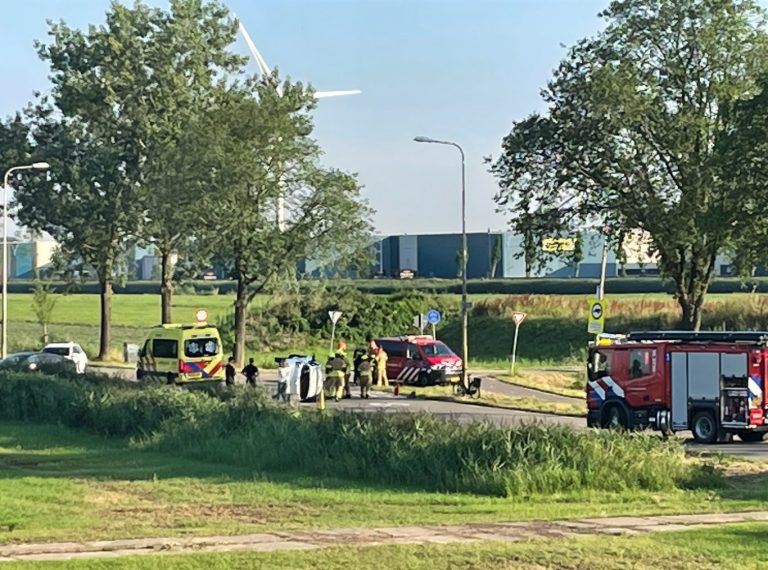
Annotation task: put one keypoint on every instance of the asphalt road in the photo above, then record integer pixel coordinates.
(388, 403)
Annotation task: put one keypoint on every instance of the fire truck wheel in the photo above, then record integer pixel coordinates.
(615, 417)
(704, 427)
(751, 436)
(423, 379)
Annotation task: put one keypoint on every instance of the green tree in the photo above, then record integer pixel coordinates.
(43, 303)
(87, 129)
(635, 133)
(189, 56)
(265, 150)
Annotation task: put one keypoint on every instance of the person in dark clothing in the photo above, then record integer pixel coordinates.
(229, 372)
(251, 373)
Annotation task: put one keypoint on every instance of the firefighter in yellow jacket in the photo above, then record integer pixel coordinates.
(381, 368)
(365, 375)
(337, 369)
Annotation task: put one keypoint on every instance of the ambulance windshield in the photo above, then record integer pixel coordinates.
(201, 347)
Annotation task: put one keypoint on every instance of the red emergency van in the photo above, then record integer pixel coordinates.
(420, 359)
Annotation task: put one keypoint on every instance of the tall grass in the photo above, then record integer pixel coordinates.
(556, 328)
(240, 426)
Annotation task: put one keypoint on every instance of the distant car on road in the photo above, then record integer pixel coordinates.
(71, 351)
(15, 360)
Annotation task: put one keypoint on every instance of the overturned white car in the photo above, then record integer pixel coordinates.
(301, 376)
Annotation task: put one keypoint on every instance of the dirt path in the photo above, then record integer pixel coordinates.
(312, 539)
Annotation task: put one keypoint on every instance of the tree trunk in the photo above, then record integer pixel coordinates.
(106, 316)
(690, 313)
(45, 333)
(241, 305)
(166, 286)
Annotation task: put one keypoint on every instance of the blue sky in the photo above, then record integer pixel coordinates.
(455, 69)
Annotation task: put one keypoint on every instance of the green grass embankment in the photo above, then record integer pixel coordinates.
(241, 427)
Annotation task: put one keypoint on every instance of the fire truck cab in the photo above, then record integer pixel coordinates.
(711, 383)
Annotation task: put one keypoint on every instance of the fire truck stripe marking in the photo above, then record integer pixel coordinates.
(610, 383)
(597, 389)
(754, 388)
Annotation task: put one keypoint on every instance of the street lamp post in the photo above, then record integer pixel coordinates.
(33, 166)
(464, 303)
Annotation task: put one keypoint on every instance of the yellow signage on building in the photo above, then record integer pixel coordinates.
(558, 244)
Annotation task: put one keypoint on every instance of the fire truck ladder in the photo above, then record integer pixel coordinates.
(748, 337)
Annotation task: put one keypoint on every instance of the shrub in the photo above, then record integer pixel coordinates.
(240, 426)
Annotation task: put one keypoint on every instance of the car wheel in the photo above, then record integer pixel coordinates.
(704, 427)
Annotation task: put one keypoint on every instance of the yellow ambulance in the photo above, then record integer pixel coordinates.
(182, 354)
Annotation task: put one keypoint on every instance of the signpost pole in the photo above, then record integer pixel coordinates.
(434, 334)
(514, 348)
(603, 262)
(333, 334)
(334, 316)
(518, 318)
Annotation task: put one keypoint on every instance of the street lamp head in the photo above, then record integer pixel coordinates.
(41, 165)
(424, 139)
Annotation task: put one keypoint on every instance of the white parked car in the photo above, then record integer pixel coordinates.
(71, 351)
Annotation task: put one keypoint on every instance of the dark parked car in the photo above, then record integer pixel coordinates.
(35, 361)
(48, 360)
(15, 360)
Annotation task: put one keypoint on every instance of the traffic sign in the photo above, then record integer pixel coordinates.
(518, 317)
(596, 322)
(433, 316)
(334, 316)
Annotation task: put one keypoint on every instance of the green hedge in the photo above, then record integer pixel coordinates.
(242, 427)
(477, 286)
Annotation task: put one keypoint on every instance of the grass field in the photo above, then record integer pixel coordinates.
(553, 334)
(729, 547)
(60, 484)
(556, 382)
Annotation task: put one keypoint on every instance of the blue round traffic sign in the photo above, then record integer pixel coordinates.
(433, 316)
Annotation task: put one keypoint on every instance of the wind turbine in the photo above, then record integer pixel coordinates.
(264, 70)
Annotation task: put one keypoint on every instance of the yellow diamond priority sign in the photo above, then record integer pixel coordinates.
(596, 316)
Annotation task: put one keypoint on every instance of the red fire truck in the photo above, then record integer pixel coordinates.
(711, 383)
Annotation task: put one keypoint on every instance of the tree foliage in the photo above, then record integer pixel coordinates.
(265, 151)
(190, 59)
(43, 303)
(640, 133)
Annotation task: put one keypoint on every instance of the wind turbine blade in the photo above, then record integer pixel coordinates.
(263, 67)
(323, 94)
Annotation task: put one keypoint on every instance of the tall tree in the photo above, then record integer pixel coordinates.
(264, 150)
(189, 57)
(87, 130)
(633, 135)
